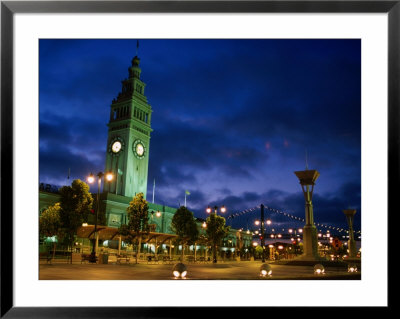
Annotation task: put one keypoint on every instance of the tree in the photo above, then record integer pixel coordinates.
(184, 225)
(258, 252)
(76, 203)
(138, 221)
(216, 231)
(50, 223)
(128, 236)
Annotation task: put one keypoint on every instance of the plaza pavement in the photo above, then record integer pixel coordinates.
(243, 270)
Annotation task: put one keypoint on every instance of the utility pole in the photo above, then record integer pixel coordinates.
(262, 234)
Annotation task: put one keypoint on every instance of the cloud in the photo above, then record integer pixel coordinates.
(64, 145)
(232, 119)
(327, 207)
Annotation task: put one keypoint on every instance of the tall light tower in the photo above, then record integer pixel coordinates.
(351, 243)
(310, 240)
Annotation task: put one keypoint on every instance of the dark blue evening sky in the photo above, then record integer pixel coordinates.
(232, 120)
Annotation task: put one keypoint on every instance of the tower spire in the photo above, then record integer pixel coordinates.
(137, 47)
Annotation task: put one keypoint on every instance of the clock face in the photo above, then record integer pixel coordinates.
(139, 149)
(116, 147)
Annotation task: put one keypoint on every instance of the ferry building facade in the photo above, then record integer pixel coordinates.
(127, 158)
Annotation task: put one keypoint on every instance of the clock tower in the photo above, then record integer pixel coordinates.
(128, 142)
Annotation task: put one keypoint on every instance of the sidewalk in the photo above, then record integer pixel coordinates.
(247, 270)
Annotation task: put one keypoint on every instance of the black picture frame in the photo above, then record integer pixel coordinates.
(9, 8)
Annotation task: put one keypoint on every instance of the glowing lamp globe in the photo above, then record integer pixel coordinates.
(90, 178)
(109, 177)
(352, 268)
(319, 269)
(265, 270)
(179, 271)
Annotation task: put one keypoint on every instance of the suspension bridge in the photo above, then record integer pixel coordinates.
(251, 211)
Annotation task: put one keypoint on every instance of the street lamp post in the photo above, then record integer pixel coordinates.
(158, 215)
(91, 179)
(209, 211)
(293, 240)
(262, 234)
(268, 222)
(274, 235)
(222, 209)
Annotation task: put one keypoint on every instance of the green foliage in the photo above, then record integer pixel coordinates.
(138, 222)
(138, 214)
(259, 250)
(184, 225)
(75, 203)
(50, 221)
(125, 231)
(216, 229)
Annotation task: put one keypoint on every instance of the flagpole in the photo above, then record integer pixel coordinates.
(186, 193)
(154, 188)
